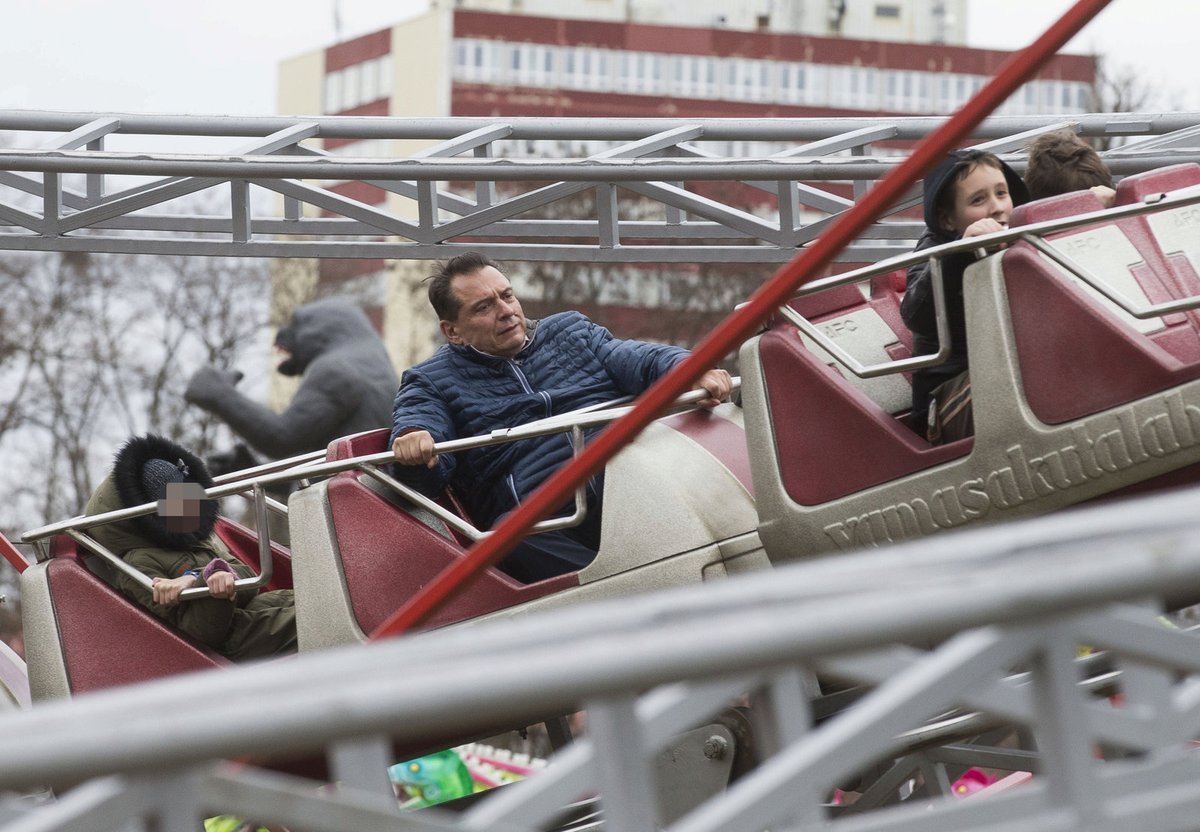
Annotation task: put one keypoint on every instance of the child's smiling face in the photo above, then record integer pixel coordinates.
(981, 194)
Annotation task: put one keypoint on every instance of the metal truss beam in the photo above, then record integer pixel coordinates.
(657, 190)
(1026, 595)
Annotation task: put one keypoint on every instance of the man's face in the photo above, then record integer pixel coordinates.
(181, 507)
(489, 314)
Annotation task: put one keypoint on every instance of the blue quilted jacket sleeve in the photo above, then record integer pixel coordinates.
(634, 365)
(419, 406)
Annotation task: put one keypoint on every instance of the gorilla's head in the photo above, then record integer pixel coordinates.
(315, 328)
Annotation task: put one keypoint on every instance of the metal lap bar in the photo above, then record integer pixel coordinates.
(466, 528)
(144, 580)
(888, 367)
(1033, 234)
(268, 468)
(306, 466)
(415, 497)
(102, 551)
(1141, 312)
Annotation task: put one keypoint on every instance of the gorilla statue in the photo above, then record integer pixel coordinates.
(349, 383)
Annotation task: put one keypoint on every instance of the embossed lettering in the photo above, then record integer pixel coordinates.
(1002, 488)
(973, 497)
(1092, 454)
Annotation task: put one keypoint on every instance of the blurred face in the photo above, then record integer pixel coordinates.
(181, 508)
(489, 314)
(981, 194)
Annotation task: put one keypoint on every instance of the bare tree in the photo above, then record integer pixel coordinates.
(1119, 88)
(102, 350)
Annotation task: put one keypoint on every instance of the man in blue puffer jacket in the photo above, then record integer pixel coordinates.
(501, 370)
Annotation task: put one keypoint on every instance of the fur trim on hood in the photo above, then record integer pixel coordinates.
(127, 477)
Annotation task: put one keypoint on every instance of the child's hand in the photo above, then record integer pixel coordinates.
(987, 225)
(1105, 194)
(220, 585)
(166, 590)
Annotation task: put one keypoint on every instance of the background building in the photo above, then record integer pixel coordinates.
(620, 58)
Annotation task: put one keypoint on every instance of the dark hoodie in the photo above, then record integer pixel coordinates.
(917, 308)
(248, 626)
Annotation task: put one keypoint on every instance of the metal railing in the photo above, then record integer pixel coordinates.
(1034, 234)
(70, 192)
(646, 668)
(306, 467)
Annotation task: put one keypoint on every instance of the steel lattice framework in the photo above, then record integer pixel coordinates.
(646, 668)
(65, 183)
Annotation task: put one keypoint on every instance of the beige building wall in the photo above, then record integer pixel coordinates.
(294, 281)
(421, 65)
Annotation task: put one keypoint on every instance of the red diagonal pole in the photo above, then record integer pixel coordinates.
(12, 554)
(742, 323)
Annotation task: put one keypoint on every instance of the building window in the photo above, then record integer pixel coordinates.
(838, 86)
(370, 83)
(383, 71)
(333, 92)
(887, 11)
(351, 86)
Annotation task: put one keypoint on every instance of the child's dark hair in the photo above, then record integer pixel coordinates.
(1061, 162)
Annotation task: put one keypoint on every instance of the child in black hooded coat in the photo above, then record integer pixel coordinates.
(178, 549)
(969, 194)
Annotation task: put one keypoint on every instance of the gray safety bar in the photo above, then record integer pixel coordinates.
(310, 466)
(1034, 234)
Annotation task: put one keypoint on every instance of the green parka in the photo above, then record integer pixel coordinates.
(251, 625)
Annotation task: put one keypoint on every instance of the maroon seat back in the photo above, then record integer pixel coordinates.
(1138, 187)
(1160, 278)
(108, 640)
(1076, 357)
(388, 554)
(831, 439)
(243, 544)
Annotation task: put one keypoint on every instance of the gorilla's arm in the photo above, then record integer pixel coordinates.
(326, 398)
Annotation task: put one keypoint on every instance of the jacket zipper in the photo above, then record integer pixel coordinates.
(545, 397)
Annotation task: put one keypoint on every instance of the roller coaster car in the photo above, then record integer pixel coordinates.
(82, 634)
(1074, 398)
(678, 508)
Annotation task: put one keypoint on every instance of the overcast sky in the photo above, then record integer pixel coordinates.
(220, 56)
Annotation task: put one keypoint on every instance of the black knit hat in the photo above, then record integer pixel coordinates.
(143, 469)
(158, 473)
